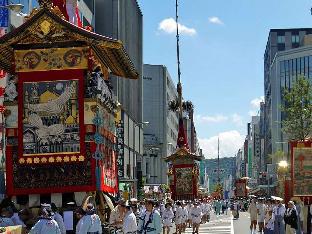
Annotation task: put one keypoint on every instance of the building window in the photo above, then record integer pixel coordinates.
(280, 39)
(295, 39)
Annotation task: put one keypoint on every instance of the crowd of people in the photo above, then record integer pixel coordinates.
(273, 217)
(49, 220)
(154, 217)
(270, 216)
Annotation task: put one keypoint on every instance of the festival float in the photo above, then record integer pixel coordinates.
(183, 168)
(59, 108)
(299, 185)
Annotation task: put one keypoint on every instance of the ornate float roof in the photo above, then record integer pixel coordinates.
(181, 153)
(47, 28)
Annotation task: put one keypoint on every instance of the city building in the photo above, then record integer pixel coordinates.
(254, 150)
(288, 55)
(227, 173)
(280, 40)
(240, 164)
(160, 135)
(123, 20)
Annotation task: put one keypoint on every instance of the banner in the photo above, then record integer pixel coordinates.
(120, 143)
(4, 14)
(302, 159)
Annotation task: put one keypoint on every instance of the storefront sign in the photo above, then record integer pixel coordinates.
(120, 147)
(4, 14)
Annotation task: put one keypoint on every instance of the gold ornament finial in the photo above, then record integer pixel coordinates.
(45, 3)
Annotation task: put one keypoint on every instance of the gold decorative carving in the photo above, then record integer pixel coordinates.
(45, 27)
(51, 59)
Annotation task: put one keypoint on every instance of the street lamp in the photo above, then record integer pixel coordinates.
(283, 164)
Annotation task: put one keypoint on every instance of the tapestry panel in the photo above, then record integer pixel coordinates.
(184, 180)
(302, 159)
(51, 117)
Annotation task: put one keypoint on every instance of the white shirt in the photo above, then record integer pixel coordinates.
(60, 222)
(129, 223)
(279, 210)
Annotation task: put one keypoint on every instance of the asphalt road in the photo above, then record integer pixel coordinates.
(241, 225)
(225, 224)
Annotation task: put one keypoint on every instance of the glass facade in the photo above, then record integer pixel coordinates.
(291, 69)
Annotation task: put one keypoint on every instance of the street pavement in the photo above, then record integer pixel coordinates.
(225, 224)
(241, 225)
(222, 224)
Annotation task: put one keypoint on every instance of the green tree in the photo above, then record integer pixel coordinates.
(297, 107)
(277, 156)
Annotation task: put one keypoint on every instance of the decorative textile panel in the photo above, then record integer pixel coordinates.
(50, 117)
(49, 153)
(51, 59)
(184, 180)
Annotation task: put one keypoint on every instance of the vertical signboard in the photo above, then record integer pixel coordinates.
(4, 14)
(120, 144)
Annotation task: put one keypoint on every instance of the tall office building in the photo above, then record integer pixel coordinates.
(123, 20)
(160, 135)
(284, 59)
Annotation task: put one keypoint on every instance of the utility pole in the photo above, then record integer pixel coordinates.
(179, 85)
(219, 161)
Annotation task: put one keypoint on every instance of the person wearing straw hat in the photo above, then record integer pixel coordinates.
(91, 223)
(46, 224)
(279, 211)
(290, 218)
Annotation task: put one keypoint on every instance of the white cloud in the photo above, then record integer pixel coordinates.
(255, 106)
(237, 119)
(169, 26)
(255, 103)
(215, 20)
(253, 112)
(219, 118)
(230, 143)
(211, 119)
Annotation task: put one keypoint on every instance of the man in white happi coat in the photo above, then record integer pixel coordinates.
(46, 224)
(90, 222)
(167, 216)
(179, 217)
(129, 224)
(150, 221)
(279, 212)
(196, 217)
(58, 218)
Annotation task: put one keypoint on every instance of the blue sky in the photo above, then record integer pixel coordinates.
(222, 47)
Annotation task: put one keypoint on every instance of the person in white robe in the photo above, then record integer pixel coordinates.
(167, 216)
(46, 224)
(196, 217)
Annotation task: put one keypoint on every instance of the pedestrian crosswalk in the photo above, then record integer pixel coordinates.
(218, 225)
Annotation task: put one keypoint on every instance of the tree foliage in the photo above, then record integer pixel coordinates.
(297, 107)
